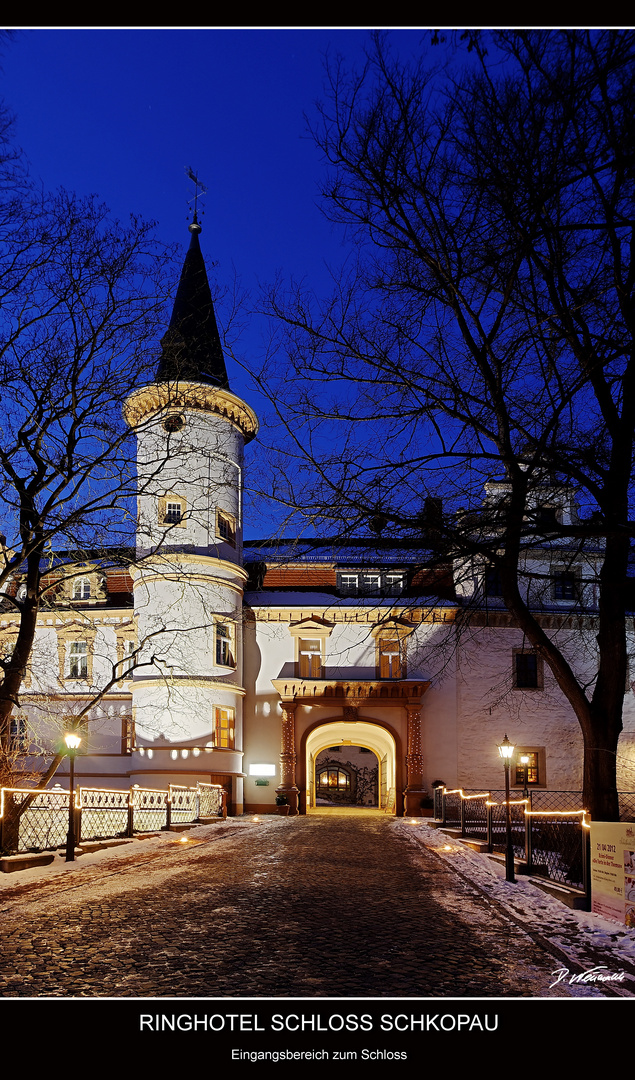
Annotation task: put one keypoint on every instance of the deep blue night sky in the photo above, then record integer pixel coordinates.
(120, 113)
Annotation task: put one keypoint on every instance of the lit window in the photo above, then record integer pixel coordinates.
(223, 727)
(224, 647)
(334, 778)
(310, 659)
(533, 774)
(78, 660)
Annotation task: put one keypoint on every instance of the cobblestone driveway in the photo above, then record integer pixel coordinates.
(311, 906)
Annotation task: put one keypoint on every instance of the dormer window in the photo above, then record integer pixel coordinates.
(372, 583)
(394, 584)
(348, 584)
(81, 589)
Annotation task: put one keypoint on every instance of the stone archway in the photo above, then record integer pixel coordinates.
(346, 732)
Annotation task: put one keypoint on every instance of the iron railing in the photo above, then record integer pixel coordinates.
(547, 832)
(103, 813)
(32, 821)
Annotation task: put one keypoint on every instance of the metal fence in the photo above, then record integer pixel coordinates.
(32, 821)
(547, 832)
(103, 813)
(149, 809)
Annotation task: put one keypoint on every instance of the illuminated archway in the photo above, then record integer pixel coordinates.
(353, 733)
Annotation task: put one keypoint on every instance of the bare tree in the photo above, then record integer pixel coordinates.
(81, 299)
(482, 326)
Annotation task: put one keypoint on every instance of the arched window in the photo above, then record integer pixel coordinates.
(334, 779)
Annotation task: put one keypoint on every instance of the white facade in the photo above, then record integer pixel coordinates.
(213, 679)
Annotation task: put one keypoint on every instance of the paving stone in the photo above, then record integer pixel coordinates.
(309, 906)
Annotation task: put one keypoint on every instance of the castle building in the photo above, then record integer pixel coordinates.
(325, 671)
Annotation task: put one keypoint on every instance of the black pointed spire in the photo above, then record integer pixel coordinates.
(190, 349)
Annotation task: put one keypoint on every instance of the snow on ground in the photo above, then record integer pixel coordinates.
(589, 941)
(108, 858)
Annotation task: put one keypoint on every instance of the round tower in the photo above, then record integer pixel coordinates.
(187, 686)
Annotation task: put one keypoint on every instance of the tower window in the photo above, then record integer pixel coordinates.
(493, 584)
(127, 734)
(547, 517)
(225, 527)
(224, 727)
(172, 510)
(224, 645)
(128, 663)
(173, 423)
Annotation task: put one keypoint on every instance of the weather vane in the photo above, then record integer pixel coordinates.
(199, 190)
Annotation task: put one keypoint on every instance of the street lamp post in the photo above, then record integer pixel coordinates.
(72, 741)
(506, 750)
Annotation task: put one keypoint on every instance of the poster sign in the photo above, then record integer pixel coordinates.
(613, 870)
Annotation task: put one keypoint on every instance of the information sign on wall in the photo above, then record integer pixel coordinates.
(613, 870)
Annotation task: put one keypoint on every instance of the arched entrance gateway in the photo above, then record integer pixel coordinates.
(332, 777)
(383, 717)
